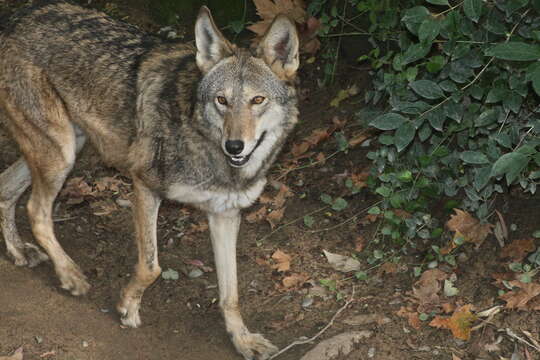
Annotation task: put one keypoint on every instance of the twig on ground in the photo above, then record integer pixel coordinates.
(354, 217)
(313, 338)
(513, 335)
(289, 223)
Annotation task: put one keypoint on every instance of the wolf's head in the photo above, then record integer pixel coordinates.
(248, 100)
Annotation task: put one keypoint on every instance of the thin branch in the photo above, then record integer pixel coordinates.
(289, 223)
(354, 217)
(313, 338)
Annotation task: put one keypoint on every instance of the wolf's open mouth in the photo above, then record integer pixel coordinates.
(239, 161)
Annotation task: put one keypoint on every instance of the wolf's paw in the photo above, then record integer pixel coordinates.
(253, 346)
(73, 280)
(29, 255)
(129, 312)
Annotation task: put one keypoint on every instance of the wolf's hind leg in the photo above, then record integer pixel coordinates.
(39, 123)
(13, 182)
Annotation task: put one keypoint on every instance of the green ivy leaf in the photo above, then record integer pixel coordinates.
(515, 51)
(413, 18)
(473, 9)
(384, 191)
(429, 30)
(438, 2)
(415, 52)
(309, 221)
(535, 77)
(404, 135)
(374, 210)
(427, 89)
(511, 165)
(339, 204)
(486, 118)
(327, 199)
(474, 157)
(390, 121)
(435, 64)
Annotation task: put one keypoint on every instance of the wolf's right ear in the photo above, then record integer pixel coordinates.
(211, 44)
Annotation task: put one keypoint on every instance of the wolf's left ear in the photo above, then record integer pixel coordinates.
(211, 44)
(279, 48)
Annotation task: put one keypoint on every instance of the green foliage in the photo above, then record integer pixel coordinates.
(463, 114)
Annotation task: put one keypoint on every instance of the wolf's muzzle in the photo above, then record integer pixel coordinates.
(239, 161)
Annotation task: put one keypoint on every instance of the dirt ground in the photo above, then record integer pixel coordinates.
(181, 319)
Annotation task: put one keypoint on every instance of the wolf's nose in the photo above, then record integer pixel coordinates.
(234, 147)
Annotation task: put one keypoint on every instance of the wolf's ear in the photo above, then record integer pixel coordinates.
(279, 48)
(211, 44)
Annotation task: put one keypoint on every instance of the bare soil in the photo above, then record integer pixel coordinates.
(181, 319)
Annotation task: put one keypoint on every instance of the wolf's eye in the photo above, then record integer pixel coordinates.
(257, 100)
(222, 100)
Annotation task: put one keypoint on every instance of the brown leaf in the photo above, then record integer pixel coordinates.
(518, 249)
(426, 289)
(448, 307)
(339, 345)
(268, 10)
(317, 136)
(320, 158)
(283, 261)
(359, 180)
(460, 323)
(257, 215)
(283, 194)
(199, 227)
(77, 187)
(294, 280)
(359, 138)
(368, 219)
(466, 226)
(275, 217)
(388, 268)
(411, 316)
(300, 148)
(524, 299)
(360, 243)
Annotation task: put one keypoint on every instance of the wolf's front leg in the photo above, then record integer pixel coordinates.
(224, 232)
(147, 270)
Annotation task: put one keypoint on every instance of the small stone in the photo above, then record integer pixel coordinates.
(85, 344)
(307, 302)
(123, 203)
(104, 310)
(195, 273)
(371, 352)
(38, 339)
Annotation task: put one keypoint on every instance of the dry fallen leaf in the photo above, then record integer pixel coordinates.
(341, 262)
(257, 215)
(360, 243)
(275, 217)
(336, 346)
(283, 261)
(460, 323)
(411, 316)
(523, 299)
(17, 355)
(388, 268)
(518, 249)
(466, 226)
(427, 288)
(294, 280)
